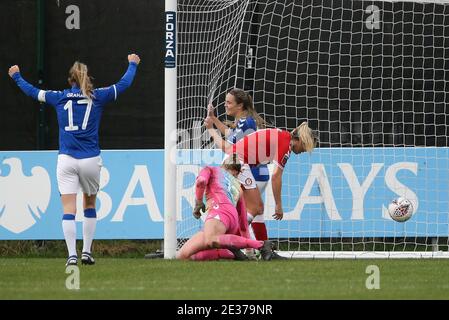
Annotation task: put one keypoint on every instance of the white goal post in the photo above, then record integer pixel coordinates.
(371, 77)
(170, 108)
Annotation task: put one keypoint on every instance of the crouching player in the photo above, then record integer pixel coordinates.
(226, 227)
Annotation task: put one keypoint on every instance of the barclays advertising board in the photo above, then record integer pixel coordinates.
(338, 192)
(129, 203)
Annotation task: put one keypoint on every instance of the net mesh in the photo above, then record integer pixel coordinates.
(370, 76)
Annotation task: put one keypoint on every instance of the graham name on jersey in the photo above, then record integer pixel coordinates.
(75, 95)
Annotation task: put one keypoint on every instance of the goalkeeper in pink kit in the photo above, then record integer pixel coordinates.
(226, 227)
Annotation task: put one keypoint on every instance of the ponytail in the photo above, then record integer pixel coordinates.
(78, 74)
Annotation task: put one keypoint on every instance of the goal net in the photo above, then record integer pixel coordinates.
(369, 76)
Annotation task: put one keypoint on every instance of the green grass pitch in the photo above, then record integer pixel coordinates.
(121, 278)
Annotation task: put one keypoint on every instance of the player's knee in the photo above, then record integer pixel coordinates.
(69, 209)
(90, 201)
(259, 209)
(256, 208)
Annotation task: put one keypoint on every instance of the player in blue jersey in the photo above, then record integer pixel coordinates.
(254, 179)
(79, 112)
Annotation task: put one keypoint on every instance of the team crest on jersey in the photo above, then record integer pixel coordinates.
(248, 181)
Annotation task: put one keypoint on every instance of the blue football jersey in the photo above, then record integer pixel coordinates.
(79, 117)
(244, 127)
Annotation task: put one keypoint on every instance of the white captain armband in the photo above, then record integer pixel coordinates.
(41, 96)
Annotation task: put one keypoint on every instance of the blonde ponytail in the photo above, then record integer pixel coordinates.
(78, 74)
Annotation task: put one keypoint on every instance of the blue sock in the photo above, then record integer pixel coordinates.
(90, 213)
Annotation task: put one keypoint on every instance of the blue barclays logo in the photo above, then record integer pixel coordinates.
(23, 198)
(128, 201)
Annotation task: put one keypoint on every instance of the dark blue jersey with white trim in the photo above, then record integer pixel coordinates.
(78, 117)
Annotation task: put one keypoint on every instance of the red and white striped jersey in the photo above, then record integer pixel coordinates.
(264, 146)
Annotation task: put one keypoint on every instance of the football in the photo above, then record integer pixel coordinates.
(400, 209)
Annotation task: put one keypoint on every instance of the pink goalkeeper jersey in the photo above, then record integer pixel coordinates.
(220, 186)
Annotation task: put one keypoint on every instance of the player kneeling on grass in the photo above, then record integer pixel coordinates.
(226, 227)
(79, 112)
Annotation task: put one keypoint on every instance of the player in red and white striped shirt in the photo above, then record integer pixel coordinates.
(272, 145)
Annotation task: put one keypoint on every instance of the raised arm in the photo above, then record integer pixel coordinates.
(224, 129)
(218, 140)
(107, 94)
(28, 89)
(201, 182)
(128, 77)
(200, 186)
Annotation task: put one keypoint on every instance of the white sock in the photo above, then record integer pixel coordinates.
(259, 219)
(89, 224)
(69, 230)
(251, 233)
(249, 217)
